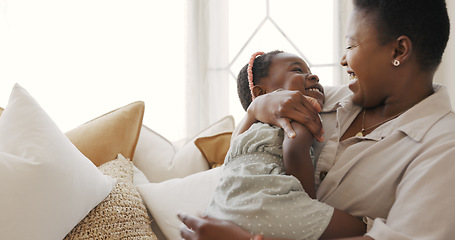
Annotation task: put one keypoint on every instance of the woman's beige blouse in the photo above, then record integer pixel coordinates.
(401, 175)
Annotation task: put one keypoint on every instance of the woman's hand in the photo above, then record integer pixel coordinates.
(205, 228)
(281, 107)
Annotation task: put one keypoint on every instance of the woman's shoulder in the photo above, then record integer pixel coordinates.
(334, 94)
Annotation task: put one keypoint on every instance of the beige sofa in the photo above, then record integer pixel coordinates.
(83, 184)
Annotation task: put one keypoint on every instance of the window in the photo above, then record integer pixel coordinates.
(80, 59)
(307, 28)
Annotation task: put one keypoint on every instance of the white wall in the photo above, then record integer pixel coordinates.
(80, 59)
(446, 71)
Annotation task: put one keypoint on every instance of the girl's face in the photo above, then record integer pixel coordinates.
(367, 61)
(290, 72)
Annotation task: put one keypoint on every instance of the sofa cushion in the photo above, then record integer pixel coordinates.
(46, 182)
(214, 148)
(159, 159)
(191, 194)
(122, 215)
(102, 138)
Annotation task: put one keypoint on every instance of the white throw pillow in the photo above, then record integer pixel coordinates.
(160, 160)
(191, 195)
(139, 177)
(47, 185)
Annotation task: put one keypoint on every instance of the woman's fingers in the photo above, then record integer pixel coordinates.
(190, 221)
(187, 233)
(279, 108)
(314, 103)
(196, 227)
(205, 228)
(298, 108)
(311, 121)
(285, 124)
(191, 224)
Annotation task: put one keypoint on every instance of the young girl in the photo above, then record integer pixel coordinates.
(265, 188)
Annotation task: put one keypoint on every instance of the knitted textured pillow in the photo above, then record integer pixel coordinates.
(122, 215)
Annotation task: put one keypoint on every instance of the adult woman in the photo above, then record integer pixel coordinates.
(387, 153)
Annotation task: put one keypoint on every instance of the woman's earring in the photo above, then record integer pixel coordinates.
(396, 63)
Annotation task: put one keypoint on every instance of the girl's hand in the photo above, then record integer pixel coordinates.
(205, 228)
(281, 107)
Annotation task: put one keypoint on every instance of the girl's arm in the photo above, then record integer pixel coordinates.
(297, 158)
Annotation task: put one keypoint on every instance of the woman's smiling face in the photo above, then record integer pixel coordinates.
(368, 62)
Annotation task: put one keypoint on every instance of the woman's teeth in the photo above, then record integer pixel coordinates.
(352, 78)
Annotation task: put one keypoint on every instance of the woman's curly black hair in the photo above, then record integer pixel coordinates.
(425, 22)
(260, 69)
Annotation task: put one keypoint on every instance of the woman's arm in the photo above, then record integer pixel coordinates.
(205, 228)
(343, 224)
(278, 109)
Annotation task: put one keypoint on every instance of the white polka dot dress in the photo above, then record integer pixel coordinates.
(255, 193)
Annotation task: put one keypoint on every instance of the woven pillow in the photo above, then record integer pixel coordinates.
(122, 215)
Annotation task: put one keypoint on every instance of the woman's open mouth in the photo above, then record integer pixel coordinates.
(352, 78)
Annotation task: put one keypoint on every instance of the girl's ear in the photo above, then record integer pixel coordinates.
(258, 90)
(403, 48)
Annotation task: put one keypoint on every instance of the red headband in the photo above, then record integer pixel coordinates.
(250, 71)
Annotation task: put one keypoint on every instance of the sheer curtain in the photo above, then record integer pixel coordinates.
(344, 9)
(207, 59)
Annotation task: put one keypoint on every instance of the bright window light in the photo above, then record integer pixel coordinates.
(81, 59)
(302, 27)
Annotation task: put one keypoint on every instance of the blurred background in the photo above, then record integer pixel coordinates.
(81, 59)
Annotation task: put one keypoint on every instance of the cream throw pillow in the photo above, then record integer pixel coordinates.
(159, 159)
(191, 194)
(47, 185)
(122, 215)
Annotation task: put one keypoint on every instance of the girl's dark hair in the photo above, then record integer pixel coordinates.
(260, 69)
(425, 22)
